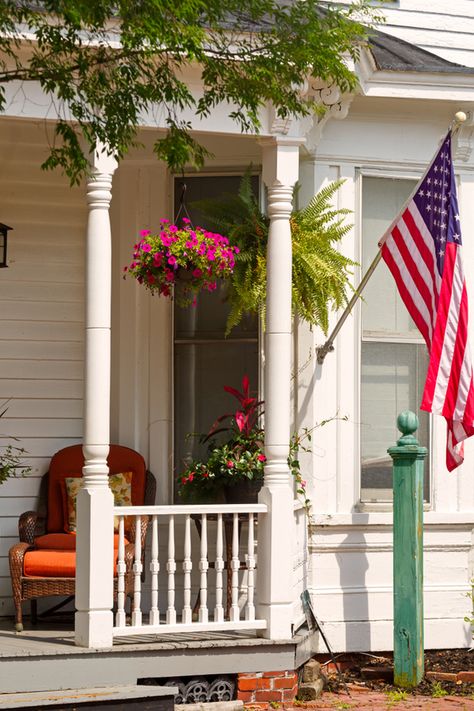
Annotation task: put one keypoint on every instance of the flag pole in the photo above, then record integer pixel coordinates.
(328, 346)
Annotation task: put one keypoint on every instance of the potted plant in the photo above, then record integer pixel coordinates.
(182, 261)
(321, 274)
(233, 470)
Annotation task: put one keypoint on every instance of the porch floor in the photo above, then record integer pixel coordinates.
(44, 657)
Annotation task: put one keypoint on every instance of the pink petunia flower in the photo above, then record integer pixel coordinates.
(146, 247)
(262, 458)
(145, 233)
(172, 260)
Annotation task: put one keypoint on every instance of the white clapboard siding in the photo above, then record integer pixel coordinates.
(48, 333)
(15, 291)
(44, 407)
(41, 319)
(444, 28)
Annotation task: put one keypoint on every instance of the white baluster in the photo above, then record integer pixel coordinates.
(203, 567)
(120, 619)
(154, 570)
(250, 609)
(235, 565)
(187, 567)
(137, 572)
(219, 566)
(171, 569)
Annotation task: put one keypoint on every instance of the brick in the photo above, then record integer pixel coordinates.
(466, 676)
(275, 674)
(245, 696)
(264, 683)
(286, 683)
(442, 676)
(289, 694)
(265, 695)
(248, 683)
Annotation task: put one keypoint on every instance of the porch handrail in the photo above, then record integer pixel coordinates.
(183, 509)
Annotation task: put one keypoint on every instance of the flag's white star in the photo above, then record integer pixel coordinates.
(456, 236)
(441, 252)
(457, 218)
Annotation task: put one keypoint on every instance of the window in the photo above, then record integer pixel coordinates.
(394, 358)
(204, 359)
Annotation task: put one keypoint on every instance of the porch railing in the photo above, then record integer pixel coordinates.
(221, 564)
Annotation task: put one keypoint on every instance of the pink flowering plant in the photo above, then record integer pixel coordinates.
(192, 257)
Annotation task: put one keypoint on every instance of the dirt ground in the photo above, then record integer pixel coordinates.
(376, 672)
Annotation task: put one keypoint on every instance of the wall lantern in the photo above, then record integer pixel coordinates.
(4, 229)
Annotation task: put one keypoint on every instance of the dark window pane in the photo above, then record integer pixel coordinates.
(201, 371)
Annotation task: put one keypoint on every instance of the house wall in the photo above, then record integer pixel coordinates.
(351, 544)
(41, 319)
(444, 28)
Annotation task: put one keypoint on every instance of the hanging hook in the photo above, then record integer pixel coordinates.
(182, 204)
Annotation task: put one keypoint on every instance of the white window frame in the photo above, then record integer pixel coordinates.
(376, 337)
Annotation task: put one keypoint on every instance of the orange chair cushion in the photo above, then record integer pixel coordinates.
(63, 541)
(68, 462)
(51, 563)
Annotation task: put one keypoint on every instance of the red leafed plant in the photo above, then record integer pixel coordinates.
(245, 418)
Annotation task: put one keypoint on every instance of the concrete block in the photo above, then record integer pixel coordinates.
(310, 691)
(311, 671)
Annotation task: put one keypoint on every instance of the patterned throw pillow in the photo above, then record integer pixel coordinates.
(120, 485)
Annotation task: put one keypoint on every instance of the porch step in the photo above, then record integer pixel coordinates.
(111, 698)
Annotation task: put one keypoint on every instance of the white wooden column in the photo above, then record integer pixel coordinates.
(277, 528)
(94, 564)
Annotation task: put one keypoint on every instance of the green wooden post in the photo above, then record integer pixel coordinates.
(408, 463)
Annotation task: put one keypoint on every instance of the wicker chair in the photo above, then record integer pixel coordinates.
(36, 527)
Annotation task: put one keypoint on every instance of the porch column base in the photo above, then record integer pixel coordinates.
(94, 560)
(93, 628)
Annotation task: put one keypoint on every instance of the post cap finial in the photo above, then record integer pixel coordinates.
(407, 422)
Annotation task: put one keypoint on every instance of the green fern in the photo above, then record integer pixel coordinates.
(321, 274)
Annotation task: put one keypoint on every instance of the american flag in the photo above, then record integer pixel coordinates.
(422, 249)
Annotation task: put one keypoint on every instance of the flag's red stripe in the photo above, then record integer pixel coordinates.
(414, 271)
(423, 249)
(469, 409)
(458, 358)
(440, 328)
(405, 294)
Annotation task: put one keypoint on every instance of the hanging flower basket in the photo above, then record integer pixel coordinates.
(191, 258)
